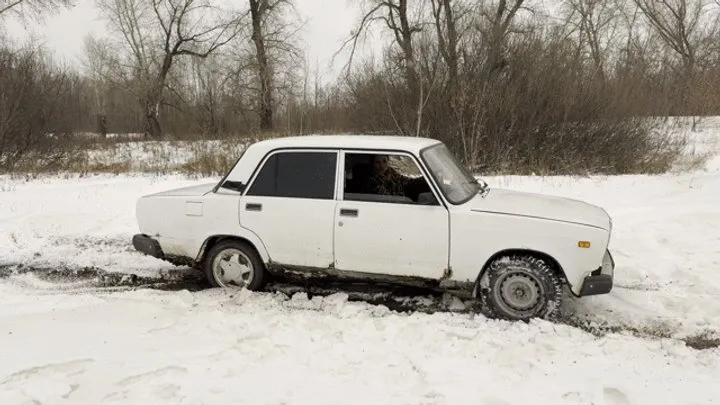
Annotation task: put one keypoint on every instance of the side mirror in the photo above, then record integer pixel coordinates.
(427, 198)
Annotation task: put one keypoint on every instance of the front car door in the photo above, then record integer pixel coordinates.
(290, 206)
(389, 219)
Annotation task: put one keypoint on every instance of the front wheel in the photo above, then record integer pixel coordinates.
(234, 264)
(520, 287)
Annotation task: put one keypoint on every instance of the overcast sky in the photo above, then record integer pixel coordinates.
(328, 22)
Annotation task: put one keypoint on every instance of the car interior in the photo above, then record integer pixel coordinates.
(401, 182)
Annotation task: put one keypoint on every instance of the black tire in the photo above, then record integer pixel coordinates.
(258, 274)
(520, 287)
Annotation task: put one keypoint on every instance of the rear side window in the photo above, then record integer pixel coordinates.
(297, 175)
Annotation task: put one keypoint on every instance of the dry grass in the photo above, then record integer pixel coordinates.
(200, 158)
(209, 162)
(691, 162)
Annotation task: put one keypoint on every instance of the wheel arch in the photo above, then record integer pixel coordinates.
(215, 239)
(551, 261)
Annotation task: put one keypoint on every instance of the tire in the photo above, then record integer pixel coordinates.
(245, 269)
(520, 287)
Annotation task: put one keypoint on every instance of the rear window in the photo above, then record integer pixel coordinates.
(297, 175)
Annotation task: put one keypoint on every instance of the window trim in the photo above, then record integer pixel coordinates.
(341, 175)
(263, 162)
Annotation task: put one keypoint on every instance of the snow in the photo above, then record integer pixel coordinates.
(73, 341)
(212, 347)
(157, 156)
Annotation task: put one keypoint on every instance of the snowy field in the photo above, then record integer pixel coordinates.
(73, 331)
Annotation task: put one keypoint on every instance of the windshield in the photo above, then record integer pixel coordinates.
(457, 184)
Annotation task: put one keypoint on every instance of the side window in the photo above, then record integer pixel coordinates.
(297, 175)
(385, 178)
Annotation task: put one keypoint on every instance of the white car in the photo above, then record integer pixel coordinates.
(380, 208)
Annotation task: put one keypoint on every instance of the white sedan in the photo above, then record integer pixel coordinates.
(375, 208)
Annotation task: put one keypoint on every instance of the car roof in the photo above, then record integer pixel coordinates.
(384, 142)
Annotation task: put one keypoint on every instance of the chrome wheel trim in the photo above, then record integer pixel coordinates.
(232, 268)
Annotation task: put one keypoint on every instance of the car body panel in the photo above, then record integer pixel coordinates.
(294, 231)
(190, 191)
(509, 202)
(414, 242)
(501, 232)
(164, 219)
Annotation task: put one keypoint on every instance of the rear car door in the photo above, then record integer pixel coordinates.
(290, 205)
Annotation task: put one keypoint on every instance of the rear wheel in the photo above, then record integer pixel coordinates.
(520, 287)
(234, 264)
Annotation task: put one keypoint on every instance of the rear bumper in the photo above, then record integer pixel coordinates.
(600, 281)
(147, 245)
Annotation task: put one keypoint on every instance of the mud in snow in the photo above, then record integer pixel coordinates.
(89, 280)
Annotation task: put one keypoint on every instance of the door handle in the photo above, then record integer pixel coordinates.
(345, 212)
(253, 207)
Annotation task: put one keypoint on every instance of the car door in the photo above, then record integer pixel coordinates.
(389, 232)
(290, 206)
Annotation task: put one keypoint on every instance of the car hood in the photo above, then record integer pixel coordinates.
(191, 191)
(508, 202)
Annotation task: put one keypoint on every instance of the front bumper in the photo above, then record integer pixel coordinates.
(147, 245)
(600, 281)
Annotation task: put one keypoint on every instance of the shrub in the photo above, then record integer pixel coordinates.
(35, 127)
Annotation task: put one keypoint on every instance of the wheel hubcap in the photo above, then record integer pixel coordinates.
(232, 268)
(519, 293)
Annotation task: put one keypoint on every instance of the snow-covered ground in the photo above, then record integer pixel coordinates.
(71, 342)
(159, 157)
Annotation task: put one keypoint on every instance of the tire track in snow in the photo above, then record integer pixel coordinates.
(93, 280)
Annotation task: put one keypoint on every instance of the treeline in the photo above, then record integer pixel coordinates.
(509, 84)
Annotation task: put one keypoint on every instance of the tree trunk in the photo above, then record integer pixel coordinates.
(449, 43)
(154, 99)
(152, 123)
(101, 124)
(407, 47)
(257, 9)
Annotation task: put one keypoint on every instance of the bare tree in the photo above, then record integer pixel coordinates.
(156, 32)
(597, 24)
(499, 18)
(258, 12)
(98, 65)
(36, 110)
(22, 8)
(261, 73)
(395, 16)
(677, 22)
(448, 38)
